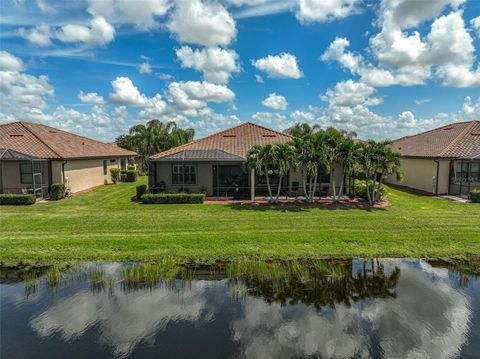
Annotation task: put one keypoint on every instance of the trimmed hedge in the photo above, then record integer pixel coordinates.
(115, 174)
(131, 176)
(130, 168)
(475, 195)
(164, 198)
(17, 199)
(57, 191)
(141, 190)
(361, 189)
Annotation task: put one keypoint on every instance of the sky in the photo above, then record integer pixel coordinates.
(381, 68)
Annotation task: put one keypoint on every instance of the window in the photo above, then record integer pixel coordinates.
(104, 167)
(26, 173)
(184, 174)
(113, 160)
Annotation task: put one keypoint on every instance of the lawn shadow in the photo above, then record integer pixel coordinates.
(302, 207)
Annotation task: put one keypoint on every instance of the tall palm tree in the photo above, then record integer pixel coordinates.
(332, 153)
(283, 159)
(260, 158)
(302, 129)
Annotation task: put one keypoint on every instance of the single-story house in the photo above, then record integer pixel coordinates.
(33, 156)
(445, 160)
(213, 165)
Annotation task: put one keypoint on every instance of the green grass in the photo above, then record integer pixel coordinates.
(105, 224)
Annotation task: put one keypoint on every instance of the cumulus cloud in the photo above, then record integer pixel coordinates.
(325, 10)
(202, 23)
(475, 23)
(39, 35)
(91, 98)
(272, 120)
(9, 62)
(217, 64)
(351, 93)
(141, 13)
(280, 66)
(145, 68)
(126, 93)
(194, 94)
(259, 79)
(275, 102)
(99, 33)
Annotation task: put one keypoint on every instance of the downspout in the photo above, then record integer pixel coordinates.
(63, 171)
(436, 176)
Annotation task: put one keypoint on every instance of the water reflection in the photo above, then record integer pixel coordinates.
(252, 309)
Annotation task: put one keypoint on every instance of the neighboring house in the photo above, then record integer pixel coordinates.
(214, 165)
(33, 156)
(445, 160)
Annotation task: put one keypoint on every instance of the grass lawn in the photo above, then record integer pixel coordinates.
(104, 225)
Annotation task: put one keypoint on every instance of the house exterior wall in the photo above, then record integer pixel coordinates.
(419, 173)
(83, 174)
(205, 177)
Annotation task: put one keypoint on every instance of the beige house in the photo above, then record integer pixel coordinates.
(33, 156)
(214, 165)
(442, 161)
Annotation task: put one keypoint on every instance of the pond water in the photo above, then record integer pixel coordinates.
(316, 309)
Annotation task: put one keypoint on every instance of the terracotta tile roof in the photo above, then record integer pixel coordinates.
(48, 142)
(451, 141)
(236, 141)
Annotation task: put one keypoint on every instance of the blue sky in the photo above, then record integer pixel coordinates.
(381, 68)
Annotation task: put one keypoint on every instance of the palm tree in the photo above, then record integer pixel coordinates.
(153, 137)
(331, 153)
(302, 129)
(283, 159)
(260, 158)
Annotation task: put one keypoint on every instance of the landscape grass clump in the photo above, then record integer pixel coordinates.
(114, 174)
(172, 198)
(475, 195)
(57, 191)
(140, 190)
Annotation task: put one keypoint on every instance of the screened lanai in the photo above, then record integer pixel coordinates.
(22, 173)
(464, 175)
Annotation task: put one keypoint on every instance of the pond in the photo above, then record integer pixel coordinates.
(248, 309)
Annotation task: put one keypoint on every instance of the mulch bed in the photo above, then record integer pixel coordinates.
(322, 202)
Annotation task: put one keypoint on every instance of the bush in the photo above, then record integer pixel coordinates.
(57, 191)
(131, 176)
(17, 199)
(130, 168)
(361, 189)
(141, 190)
(173, 198)
(114, 174)
(475, 195)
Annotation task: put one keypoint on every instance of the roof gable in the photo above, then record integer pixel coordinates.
(48, 142)
(451, 141)
(234, 142)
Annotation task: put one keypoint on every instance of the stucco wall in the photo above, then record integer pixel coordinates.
(418, 174)
(84, 174)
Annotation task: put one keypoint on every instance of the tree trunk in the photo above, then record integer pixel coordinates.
(279, 189)
(333, 184)
(367, 178)
(269, 189)
(314, 188)
(340, 191)
(304, 183)
(374, 192)
(310, 190)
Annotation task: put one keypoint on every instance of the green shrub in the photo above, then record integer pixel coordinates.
(141, 190)
(57, 191)
(114, 174)
(361, 189)
(130, 168)
(149, 198)
(475, 195)
(17, 199)
(131, 176)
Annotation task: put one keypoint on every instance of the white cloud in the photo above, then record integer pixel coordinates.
(194, 94)
(272, 120)
(9, 62)
(92, 98)
(280, 66)
(275, 102)
(39, 35)
(141, 13)
(202, 23)
(475, 23)
(259, 79)
(351, 93)
(126, 93)
(325, 10)
(145, 68)
(217, 64)
(163, 76)
(470, 109)
(99, 33)
(44, 7)
(423, 101)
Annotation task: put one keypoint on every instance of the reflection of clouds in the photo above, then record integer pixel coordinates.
(124, 318)
(428, 319)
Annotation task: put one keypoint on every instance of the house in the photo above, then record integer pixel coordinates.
(33, 156)
(445, 160)
(213, 165)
